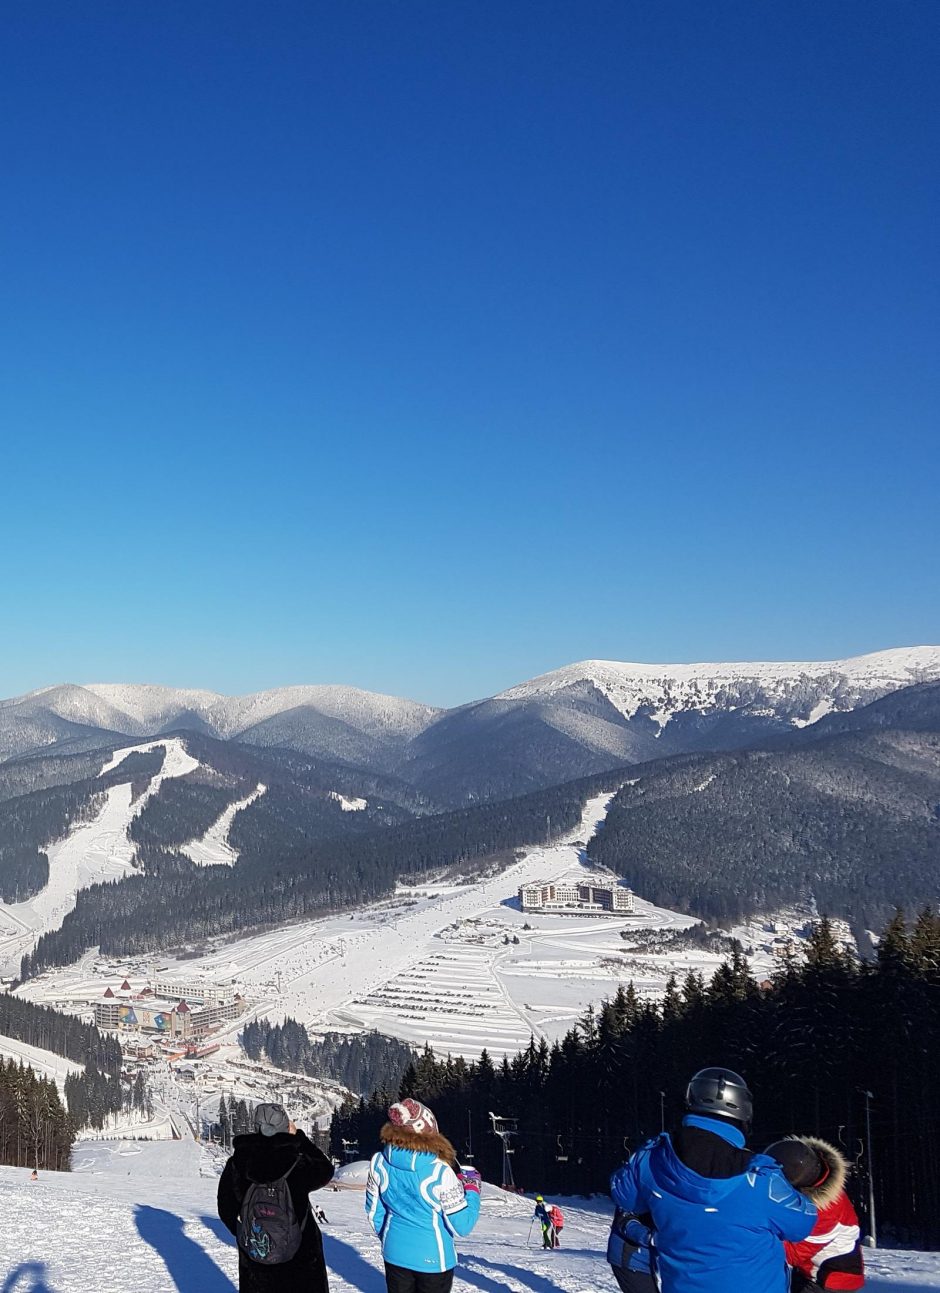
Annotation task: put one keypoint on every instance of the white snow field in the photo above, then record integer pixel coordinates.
(46, 1063)
(91, 852)
(141, 1218)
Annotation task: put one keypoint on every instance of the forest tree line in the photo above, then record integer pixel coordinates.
(810, 1043)
(362, 1062)
(35, 1129)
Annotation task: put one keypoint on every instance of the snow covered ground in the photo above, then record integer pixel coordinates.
(141, 1218)
(46, 1063)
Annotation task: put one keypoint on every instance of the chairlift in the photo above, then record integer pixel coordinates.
(561, 1154)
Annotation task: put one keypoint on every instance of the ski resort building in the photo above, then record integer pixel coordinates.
(588, 897)
(146, 1012)
(195, 990)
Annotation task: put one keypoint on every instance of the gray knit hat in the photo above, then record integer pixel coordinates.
(270, 1119)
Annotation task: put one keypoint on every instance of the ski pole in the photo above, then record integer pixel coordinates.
(528, 1238)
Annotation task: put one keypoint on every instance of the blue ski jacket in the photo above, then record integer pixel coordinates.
(416, 1205)
(714, 1234)
(628, 1245)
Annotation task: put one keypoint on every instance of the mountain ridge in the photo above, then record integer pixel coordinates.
(571, 722)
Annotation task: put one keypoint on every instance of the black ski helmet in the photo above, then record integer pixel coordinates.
(802, 1166)
(720, 1093)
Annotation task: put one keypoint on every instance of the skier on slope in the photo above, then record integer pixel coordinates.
(418, 1199)
(544, 1217)
(831, 1255)
(720, 1212)
(275, 1152)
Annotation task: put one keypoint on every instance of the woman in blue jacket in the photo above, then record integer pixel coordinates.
(418, 1200)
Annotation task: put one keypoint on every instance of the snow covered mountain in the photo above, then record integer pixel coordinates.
(572, 722)
(586, 717)
(799, 691)
(333, 721)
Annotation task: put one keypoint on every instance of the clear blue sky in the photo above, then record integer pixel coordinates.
(426, 345)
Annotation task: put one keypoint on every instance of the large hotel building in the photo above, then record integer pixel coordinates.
(589, 897)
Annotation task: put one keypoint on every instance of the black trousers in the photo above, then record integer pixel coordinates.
(400, 1280)
(634, 1281)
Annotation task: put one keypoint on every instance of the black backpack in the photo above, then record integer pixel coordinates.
(268, 1230)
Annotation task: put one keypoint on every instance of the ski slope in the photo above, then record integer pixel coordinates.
(46, 1063)
(141, 1218)
(92, 852)
(214, 849)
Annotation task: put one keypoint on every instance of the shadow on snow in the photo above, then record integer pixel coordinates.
(190, 1267)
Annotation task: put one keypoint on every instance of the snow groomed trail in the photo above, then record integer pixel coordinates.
(91, 852)
(141, 1218)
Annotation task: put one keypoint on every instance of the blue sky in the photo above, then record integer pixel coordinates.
(427, 346)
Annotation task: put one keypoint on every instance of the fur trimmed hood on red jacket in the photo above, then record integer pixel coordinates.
(828, 1190)
(402, 1138)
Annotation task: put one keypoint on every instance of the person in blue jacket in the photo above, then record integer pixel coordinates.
(628, 1252)
(418, 1200)
(719, 1212)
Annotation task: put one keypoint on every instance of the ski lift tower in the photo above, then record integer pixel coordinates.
(505, 1129)
(350, 1149)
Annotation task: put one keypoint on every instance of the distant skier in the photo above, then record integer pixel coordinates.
(34, 1175)
(544, 1216)
(418, 1200)
(628, 1252)
(720, 1213)
(263, 1200)
(830, 1257)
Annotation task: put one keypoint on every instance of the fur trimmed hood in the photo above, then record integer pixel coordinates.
(403, 1138)
(829, 1190)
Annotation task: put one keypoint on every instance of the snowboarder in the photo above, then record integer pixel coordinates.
(544, 1217)
(276, 1151)
(720, 1212)
(628, 1252)
(418, 1199)
(831, 1255)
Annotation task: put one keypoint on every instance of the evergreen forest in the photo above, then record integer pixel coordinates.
(362, 1062)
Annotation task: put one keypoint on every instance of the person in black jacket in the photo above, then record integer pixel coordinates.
(265, 1155)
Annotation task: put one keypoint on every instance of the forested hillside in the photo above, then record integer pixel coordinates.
(809, 1045)
(362, 1062)
(175, 906)
(32, 821)
(34, 1127)
(852, 821)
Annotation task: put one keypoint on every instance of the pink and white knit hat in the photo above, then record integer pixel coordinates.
(415, 1116)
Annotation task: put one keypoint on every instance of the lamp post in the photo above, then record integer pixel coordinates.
(872, 1228)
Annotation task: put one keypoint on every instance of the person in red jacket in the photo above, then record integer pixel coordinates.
(831, 1256)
